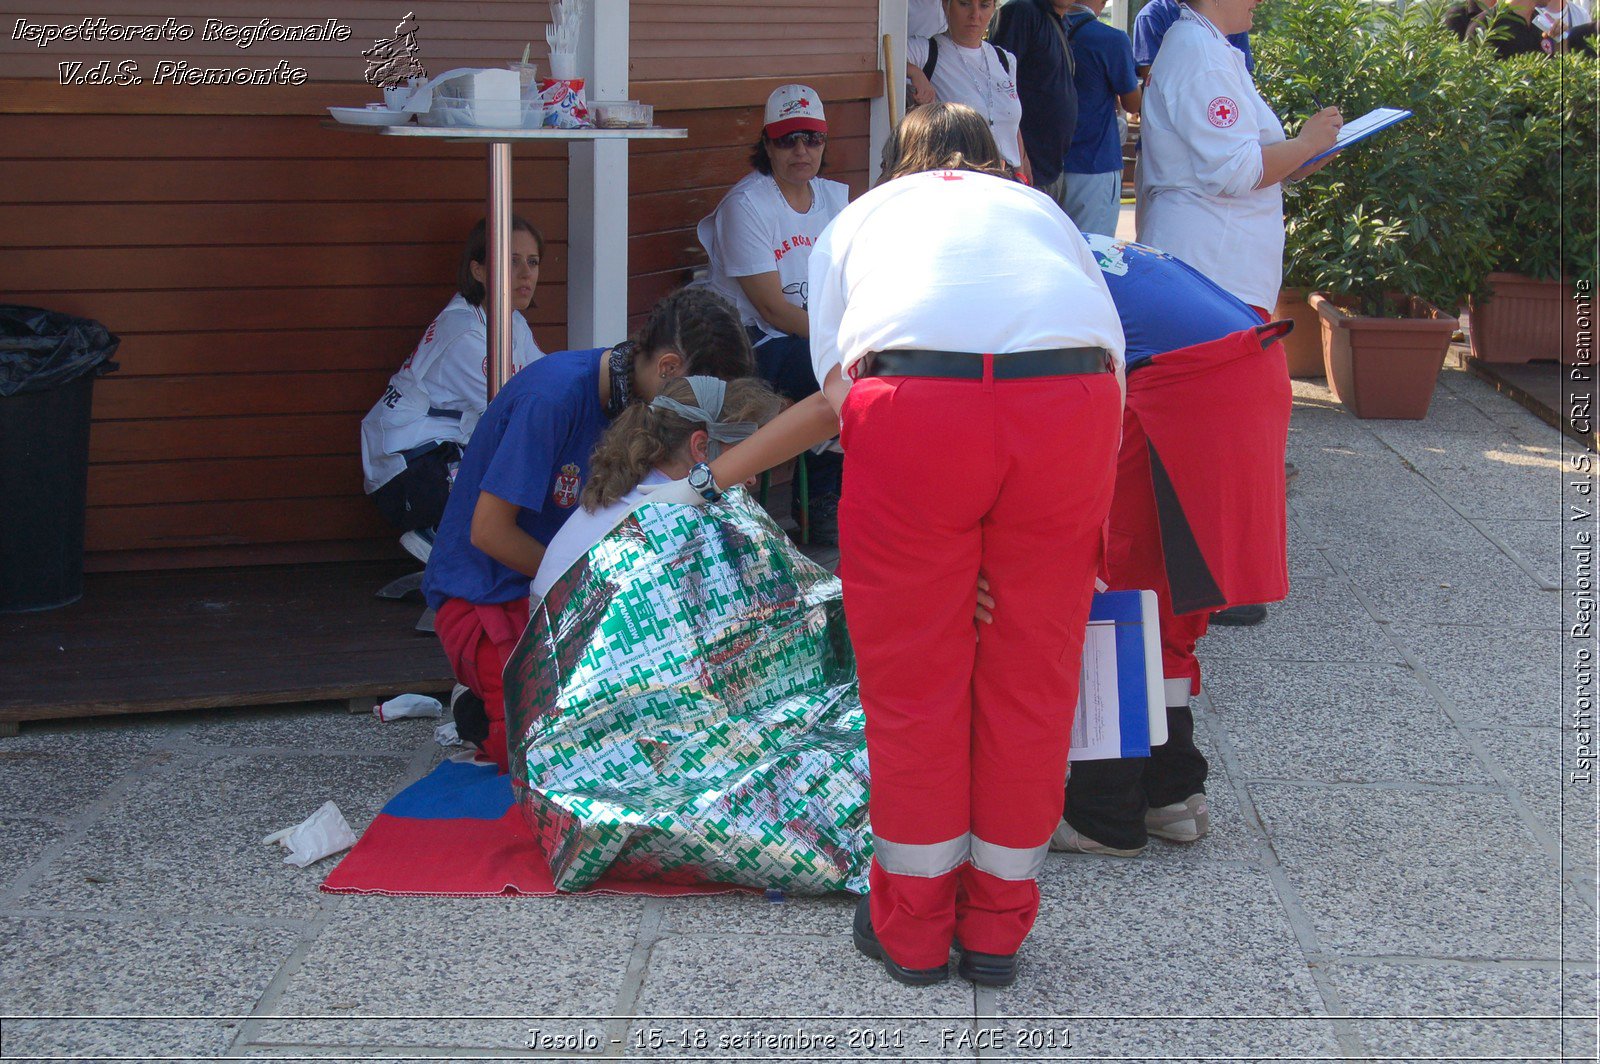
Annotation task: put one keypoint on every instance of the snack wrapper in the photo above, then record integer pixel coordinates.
(683, 708)
(564, 103)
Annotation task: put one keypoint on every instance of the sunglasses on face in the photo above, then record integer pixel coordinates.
(790, 141)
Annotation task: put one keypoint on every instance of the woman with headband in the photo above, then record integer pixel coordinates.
(691, 420)
(524, 471)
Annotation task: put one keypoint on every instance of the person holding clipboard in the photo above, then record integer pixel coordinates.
(1215, 156)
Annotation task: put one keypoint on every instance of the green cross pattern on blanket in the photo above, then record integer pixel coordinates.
(683, 708)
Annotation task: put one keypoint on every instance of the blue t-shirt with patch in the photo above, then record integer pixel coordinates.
(1165, 303)
(1156, 17)
(1104, 58)
(530, 448)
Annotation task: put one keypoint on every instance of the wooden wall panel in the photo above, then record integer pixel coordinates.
(448, 34)
(678, 40)
(266, 274)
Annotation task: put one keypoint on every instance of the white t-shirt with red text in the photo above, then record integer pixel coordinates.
(439, 392)
(755, 231)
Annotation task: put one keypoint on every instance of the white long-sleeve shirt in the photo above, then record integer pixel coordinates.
(440, 392)
(1203, 128)
(955, 261)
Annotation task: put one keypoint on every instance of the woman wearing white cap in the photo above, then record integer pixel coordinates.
(759, 242)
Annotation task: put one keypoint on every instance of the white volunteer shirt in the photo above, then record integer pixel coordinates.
(955, 261)
(924, 18)
(754, 231)
(448, 370)
(581, 532)
(1203, 127)
(975, 77)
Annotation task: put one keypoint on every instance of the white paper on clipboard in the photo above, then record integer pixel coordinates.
(1356, 130)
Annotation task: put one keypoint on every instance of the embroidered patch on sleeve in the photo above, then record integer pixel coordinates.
(1222, 112)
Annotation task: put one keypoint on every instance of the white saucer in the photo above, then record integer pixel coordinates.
(369, 116)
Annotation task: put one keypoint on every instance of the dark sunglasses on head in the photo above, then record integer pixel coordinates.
(810, 138)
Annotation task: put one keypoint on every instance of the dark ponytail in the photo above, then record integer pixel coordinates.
(704, 328)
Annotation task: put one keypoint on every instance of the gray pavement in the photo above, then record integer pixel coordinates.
(1397, 869)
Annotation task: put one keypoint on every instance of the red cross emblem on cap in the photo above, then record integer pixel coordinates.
(1222, 112)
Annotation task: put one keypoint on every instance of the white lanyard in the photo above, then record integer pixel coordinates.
(981, 78)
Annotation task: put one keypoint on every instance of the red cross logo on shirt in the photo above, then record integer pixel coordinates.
(1222, 112)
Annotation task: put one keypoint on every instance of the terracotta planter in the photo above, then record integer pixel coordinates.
(1384, 367)
(1303, 346)
(1522, 320)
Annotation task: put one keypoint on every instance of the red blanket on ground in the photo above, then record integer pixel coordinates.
(457, 832)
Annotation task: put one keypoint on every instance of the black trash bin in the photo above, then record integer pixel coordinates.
(48, 363)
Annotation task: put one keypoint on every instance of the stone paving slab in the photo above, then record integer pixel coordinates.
(1340, 723)
(187, 839)
(1510, 1009)
(1387, 806)
(1427, 873)
(1491, 675)
(516, 958)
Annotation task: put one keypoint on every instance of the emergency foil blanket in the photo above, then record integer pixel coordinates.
(683, 708)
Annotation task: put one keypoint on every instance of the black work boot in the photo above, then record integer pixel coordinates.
(866, 940)
(987, 969)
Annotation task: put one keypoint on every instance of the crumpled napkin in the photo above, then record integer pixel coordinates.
(324, 833)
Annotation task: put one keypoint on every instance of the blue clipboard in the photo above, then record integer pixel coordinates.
(1374, 121)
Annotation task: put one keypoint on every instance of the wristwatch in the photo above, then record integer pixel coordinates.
(701, 480)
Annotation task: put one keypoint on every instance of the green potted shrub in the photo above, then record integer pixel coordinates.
(1394, 233)
(1544, 235)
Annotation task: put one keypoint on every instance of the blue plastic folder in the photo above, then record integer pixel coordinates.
(1122, 706)
(1357, 130)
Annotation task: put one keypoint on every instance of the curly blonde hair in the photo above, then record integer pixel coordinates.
(644, 436)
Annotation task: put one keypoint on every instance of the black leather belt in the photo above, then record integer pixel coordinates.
(965, 365)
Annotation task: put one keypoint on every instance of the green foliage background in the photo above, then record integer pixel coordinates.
(1496, 170)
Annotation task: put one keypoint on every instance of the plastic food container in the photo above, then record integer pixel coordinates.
(629, 115)
(485, 115)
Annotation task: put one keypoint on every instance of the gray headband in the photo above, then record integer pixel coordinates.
(708, 395)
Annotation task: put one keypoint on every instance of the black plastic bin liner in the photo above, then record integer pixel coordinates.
(48, 363)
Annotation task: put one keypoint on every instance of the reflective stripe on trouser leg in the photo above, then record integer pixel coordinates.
(1010, 863)
(910, 544)
(1042, 545)
(923, 860)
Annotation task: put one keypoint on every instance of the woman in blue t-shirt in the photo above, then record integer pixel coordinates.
(524, 470)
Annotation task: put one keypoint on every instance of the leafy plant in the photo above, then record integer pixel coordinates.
(1546, 227)
(1411, 212)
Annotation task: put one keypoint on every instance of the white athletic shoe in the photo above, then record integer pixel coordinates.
(418, 543)
(1067, 840)
(1185, 821)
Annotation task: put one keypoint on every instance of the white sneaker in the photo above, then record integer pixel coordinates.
(1067, 840)
(418, 543)
(1185, 821)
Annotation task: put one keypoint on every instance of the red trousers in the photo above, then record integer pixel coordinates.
(968, 726)
(478, 639)
(1134, 562)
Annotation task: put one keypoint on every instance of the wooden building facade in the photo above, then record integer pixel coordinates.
(267, 274)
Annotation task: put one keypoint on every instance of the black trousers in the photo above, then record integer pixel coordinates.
(414, 497)
(1107, 800)
(785, 363)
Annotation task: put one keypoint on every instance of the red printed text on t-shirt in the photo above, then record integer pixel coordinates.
(796, 241)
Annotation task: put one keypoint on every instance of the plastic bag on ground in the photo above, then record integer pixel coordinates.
(323, 834)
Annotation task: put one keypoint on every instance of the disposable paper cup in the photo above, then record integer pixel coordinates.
(563, 67)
